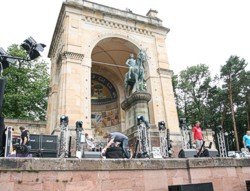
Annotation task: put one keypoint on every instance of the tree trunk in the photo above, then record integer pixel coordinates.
(223, 115)
(248, 123)
(233, 117)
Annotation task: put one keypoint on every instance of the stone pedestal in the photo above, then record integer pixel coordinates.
(134, 106)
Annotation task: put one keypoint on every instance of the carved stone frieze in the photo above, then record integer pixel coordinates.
(72, 55)
(116, 25)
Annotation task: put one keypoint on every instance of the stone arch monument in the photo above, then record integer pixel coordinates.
(88, 52)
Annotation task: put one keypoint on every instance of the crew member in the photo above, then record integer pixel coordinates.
(3, 139)
(90, 142)
(197, 135)
(246, 140)
(117, 137)
(25, 136)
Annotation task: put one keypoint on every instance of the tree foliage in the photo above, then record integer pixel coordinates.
(25, 94)
(192, 86)
(223, 100)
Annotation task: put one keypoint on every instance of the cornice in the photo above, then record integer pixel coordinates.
(165, 72)
(135, 97)
(154, 23)
(57, 33)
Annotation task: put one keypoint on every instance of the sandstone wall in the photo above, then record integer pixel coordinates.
(120, 175)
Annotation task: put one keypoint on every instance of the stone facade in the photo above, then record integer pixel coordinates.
(35, 127)
(94, 40)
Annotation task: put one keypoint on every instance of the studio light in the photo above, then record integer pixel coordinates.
(79, 126)
(161, 125)
(64, 120)
(5, 59)
(219, 127)
(32, 47)
(140, 119)
(183, 121)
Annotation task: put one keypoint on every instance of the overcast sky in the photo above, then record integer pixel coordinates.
(201, 31)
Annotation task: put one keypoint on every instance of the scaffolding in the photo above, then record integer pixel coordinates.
(221, 143)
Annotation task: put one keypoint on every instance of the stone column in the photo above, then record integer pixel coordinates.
(86, 95)
(168, 98)
(135, 105)
(170, 107)
(74, 84)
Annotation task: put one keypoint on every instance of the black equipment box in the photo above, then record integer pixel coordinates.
(91, 154)
(187, 153)
(114, 152)
(210, 153)
(248, 185)
(44, 145)
(192, 187)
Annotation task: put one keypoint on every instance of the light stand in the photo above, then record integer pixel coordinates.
(221, 142)
(144, 137)
(78, 139)
(63, 152)
(186, 134)
(164, 140)
(31, 47)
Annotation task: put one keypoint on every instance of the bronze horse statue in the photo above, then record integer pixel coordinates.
(136, 75)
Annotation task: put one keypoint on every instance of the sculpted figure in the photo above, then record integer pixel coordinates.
(135, 75)
(131, 64)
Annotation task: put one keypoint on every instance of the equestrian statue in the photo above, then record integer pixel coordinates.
(135, 75)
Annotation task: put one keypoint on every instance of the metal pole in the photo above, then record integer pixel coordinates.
(16, 58)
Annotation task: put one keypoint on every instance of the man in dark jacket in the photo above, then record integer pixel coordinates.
(117, 137)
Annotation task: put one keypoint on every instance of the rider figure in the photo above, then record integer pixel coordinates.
(142, 56)
(131, 63)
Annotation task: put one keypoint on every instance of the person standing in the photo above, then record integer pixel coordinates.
(246, 140)
(117, 137)
(197, 135)
(90, 142)
(25, 137)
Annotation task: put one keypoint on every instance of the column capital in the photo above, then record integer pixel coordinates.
(72, 55)
(134, 98)
(165, 72)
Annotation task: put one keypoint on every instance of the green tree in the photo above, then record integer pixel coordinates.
(245, 92)
(25, 94)
(193, 87)
(230, 73)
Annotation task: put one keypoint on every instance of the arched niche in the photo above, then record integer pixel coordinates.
(107, 76)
